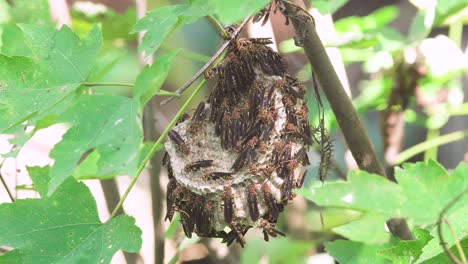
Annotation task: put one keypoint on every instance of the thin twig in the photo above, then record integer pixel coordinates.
(447, 251)
(456, 241)
(5, 185)
(353, 130)
(210, 62)
(155, 147)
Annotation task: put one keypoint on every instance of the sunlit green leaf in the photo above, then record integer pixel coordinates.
(328, 6)
(447, 9)
(428, 188)
(63, 228)
(104, 123)
(59, 62)
(373, 21)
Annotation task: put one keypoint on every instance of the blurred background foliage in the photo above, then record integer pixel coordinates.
(406, 63)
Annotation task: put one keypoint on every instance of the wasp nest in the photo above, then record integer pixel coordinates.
(235, 162)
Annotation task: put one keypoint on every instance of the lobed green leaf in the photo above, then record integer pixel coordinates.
(63, 228)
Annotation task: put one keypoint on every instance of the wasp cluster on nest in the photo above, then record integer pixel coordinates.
(235, 162)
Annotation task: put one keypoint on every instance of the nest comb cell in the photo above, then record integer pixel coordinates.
(232, 165)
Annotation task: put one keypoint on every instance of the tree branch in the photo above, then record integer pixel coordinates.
(353, 130)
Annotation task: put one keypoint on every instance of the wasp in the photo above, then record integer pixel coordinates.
(218, 174)
(170, 197)
(197, 118)
(205, 217)
(187, 223)
(182, 118)
(235, 234)
(235, 127)
(270, 202)
(252, 202)
(269, 229)
(300, 180)
(228, 204)
(247, 154)
(293, 129)
(179, 141)
(196, 165)
(301, 157)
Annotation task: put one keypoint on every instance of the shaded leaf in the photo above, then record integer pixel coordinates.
(232, 11)
(63, 228)
(369, 229)
(151, 78)
(350, 252)
(408, 250)
(160, 22)
(279, 250)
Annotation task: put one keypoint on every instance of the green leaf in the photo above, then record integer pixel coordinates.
(374, 21)
(350, 252)
(151, 78)
(278, 250)
(447, 9)
(431, 181)
(442, 257)
(419, 28)
(408, 250)
(328, 6)
(456, 216)
(34, 12)
(63, 228)
(105, 123)
(161, 22)
(40, 178)
(104, 63)
(232, 11)
(369, 229)
(363, 192)
(59, 61)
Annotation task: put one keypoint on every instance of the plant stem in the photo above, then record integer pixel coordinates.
(156, 145)
(215, 23)
(439, 229)
(160, 93)
(456, 241)
(6, 188)
(91, 84)
(431, 152)
(353, 130)
(428, 144)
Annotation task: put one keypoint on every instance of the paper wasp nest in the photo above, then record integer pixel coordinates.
(235, 162)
